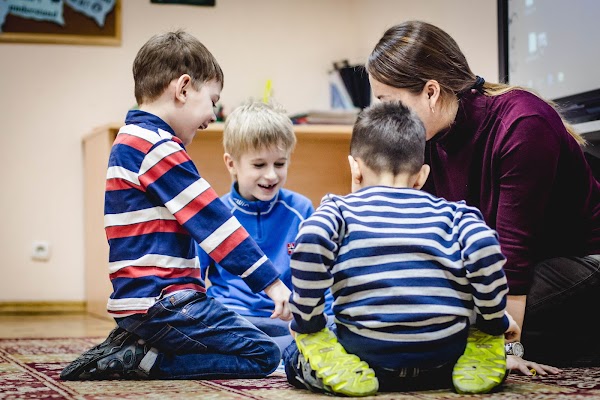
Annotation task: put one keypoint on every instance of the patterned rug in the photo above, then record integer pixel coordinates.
(29, 369)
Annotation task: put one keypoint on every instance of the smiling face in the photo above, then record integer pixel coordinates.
(197, 111)
(260, 173)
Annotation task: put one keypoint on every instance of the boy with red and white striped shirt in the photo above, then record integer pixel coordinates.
(157, 207)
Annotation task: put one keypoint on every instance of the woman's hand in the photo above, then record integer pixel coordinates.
(529, 368)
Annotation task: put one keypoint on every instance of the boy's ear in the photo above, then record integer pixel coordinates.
(229, 163)
(182, 86)
(356, 173)
(421, 176)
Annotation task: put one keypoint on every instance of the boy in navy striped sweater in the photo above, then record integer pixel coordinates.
(157, 208)
(410, 274)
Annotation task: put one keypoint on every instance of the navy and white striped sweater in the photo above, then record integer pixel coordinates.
(408, 271)
(157, 207)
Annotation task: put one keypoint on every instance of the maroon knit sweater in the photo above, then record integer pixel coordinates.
(511, 157)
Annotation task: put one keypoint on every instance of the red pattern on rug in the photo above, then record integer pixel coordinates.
(30, 368)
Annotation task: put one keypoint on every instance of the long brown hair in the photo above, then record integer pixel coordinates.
(413, 52)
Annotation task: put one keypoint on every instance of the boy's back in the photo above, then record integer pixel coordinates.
(398, 262)
(409, 274)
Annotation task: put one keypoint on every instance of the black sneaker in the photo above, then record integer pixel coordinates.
(117, 357)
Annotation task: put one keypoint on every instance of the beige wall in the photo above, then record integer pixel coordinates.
(53, 95)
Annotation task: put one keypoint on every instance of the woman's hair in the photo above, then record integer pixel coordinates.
(256, 125)
(167, 56)
(389, 137)
(413, 52)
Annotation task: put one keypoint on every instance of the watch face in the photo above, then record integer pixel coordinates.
(515, 348)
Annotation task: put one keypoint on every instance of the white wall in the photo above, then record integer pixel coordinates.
(53, 95)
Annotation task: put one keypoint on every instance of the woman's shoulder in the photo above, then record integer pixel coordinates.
(520, 103)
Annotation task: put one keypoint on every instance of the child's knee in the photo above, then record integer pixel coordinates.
(271, 359)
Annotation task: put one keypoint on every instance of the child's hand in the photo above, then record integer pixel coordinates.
(280, 294)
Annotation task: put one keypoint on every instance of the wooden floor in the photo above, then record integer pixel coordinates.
(48, 326)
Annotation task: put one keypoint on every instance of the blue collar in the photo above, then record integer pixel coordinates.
(148, 121)
(257, 206)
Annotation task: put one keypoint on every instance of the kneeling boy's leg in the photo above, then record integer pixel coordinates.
(117, 357)
(277, 329)
(199, 338)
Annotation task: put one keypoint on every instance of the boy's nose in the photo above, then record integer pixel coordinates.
(270, 173)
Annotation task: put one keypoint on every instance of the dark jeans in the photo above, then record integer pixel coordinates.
(199, 338)
(562, 312)
(277, 329)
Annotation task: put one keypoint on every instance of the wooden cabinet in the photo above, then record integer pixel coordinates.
(319, 165)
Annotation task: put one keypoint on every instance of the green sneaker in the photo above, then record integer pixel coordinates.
(482, 367)
(339, 371)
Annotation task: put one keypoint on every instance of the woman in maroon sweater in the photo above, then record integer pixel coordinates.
(508, 152)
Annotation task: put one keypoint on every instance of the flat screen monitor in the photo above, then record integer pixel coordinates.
(552, 47)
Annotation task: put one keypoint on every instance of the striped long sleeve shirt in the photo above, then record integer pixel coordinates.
(408, 272)
(157, 207)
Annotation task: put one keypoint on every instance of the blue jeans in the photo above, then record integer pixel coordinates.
(277, 329)
(562, 312)
(199, 338)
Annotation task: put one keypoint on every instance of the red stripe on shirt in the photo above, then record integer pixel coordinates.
(163, 166)
(120, 184)
(127, 312)
(165, 273)
(197, 204)
(143, 228)
(175, 288)
(134, 141)
(230, 243)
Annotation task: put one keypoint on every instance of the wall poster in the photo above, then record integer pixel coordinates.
(82, 22)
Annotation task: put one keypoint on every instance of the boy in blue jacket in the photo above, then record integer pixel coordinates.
(258, 140)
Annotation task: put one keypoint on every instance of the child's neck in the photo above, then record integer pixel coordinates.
(387, 179)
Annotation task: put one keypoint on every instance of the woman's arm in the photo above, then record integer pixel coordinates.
(515, 306)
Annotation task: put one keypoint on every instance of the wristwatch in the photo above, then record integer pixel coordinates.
(514, 349)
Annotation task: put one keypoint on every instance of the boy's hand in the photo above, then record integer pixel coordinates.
(280, 294)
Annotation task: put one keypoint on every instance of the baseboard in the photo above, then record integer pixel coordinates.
(42, 307)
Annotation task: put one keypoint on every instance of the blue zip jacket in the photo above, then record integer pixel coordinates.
(273, 225)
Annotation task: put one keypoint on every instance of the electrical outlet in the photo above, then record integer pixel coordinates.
(40, 251)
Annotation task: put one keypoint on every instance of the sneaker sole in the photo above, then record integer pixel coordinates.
(76, 368)
(482, 367)
(341, 372)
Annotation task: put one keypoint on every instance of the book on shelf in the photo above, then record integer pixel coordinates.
(334, 117)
